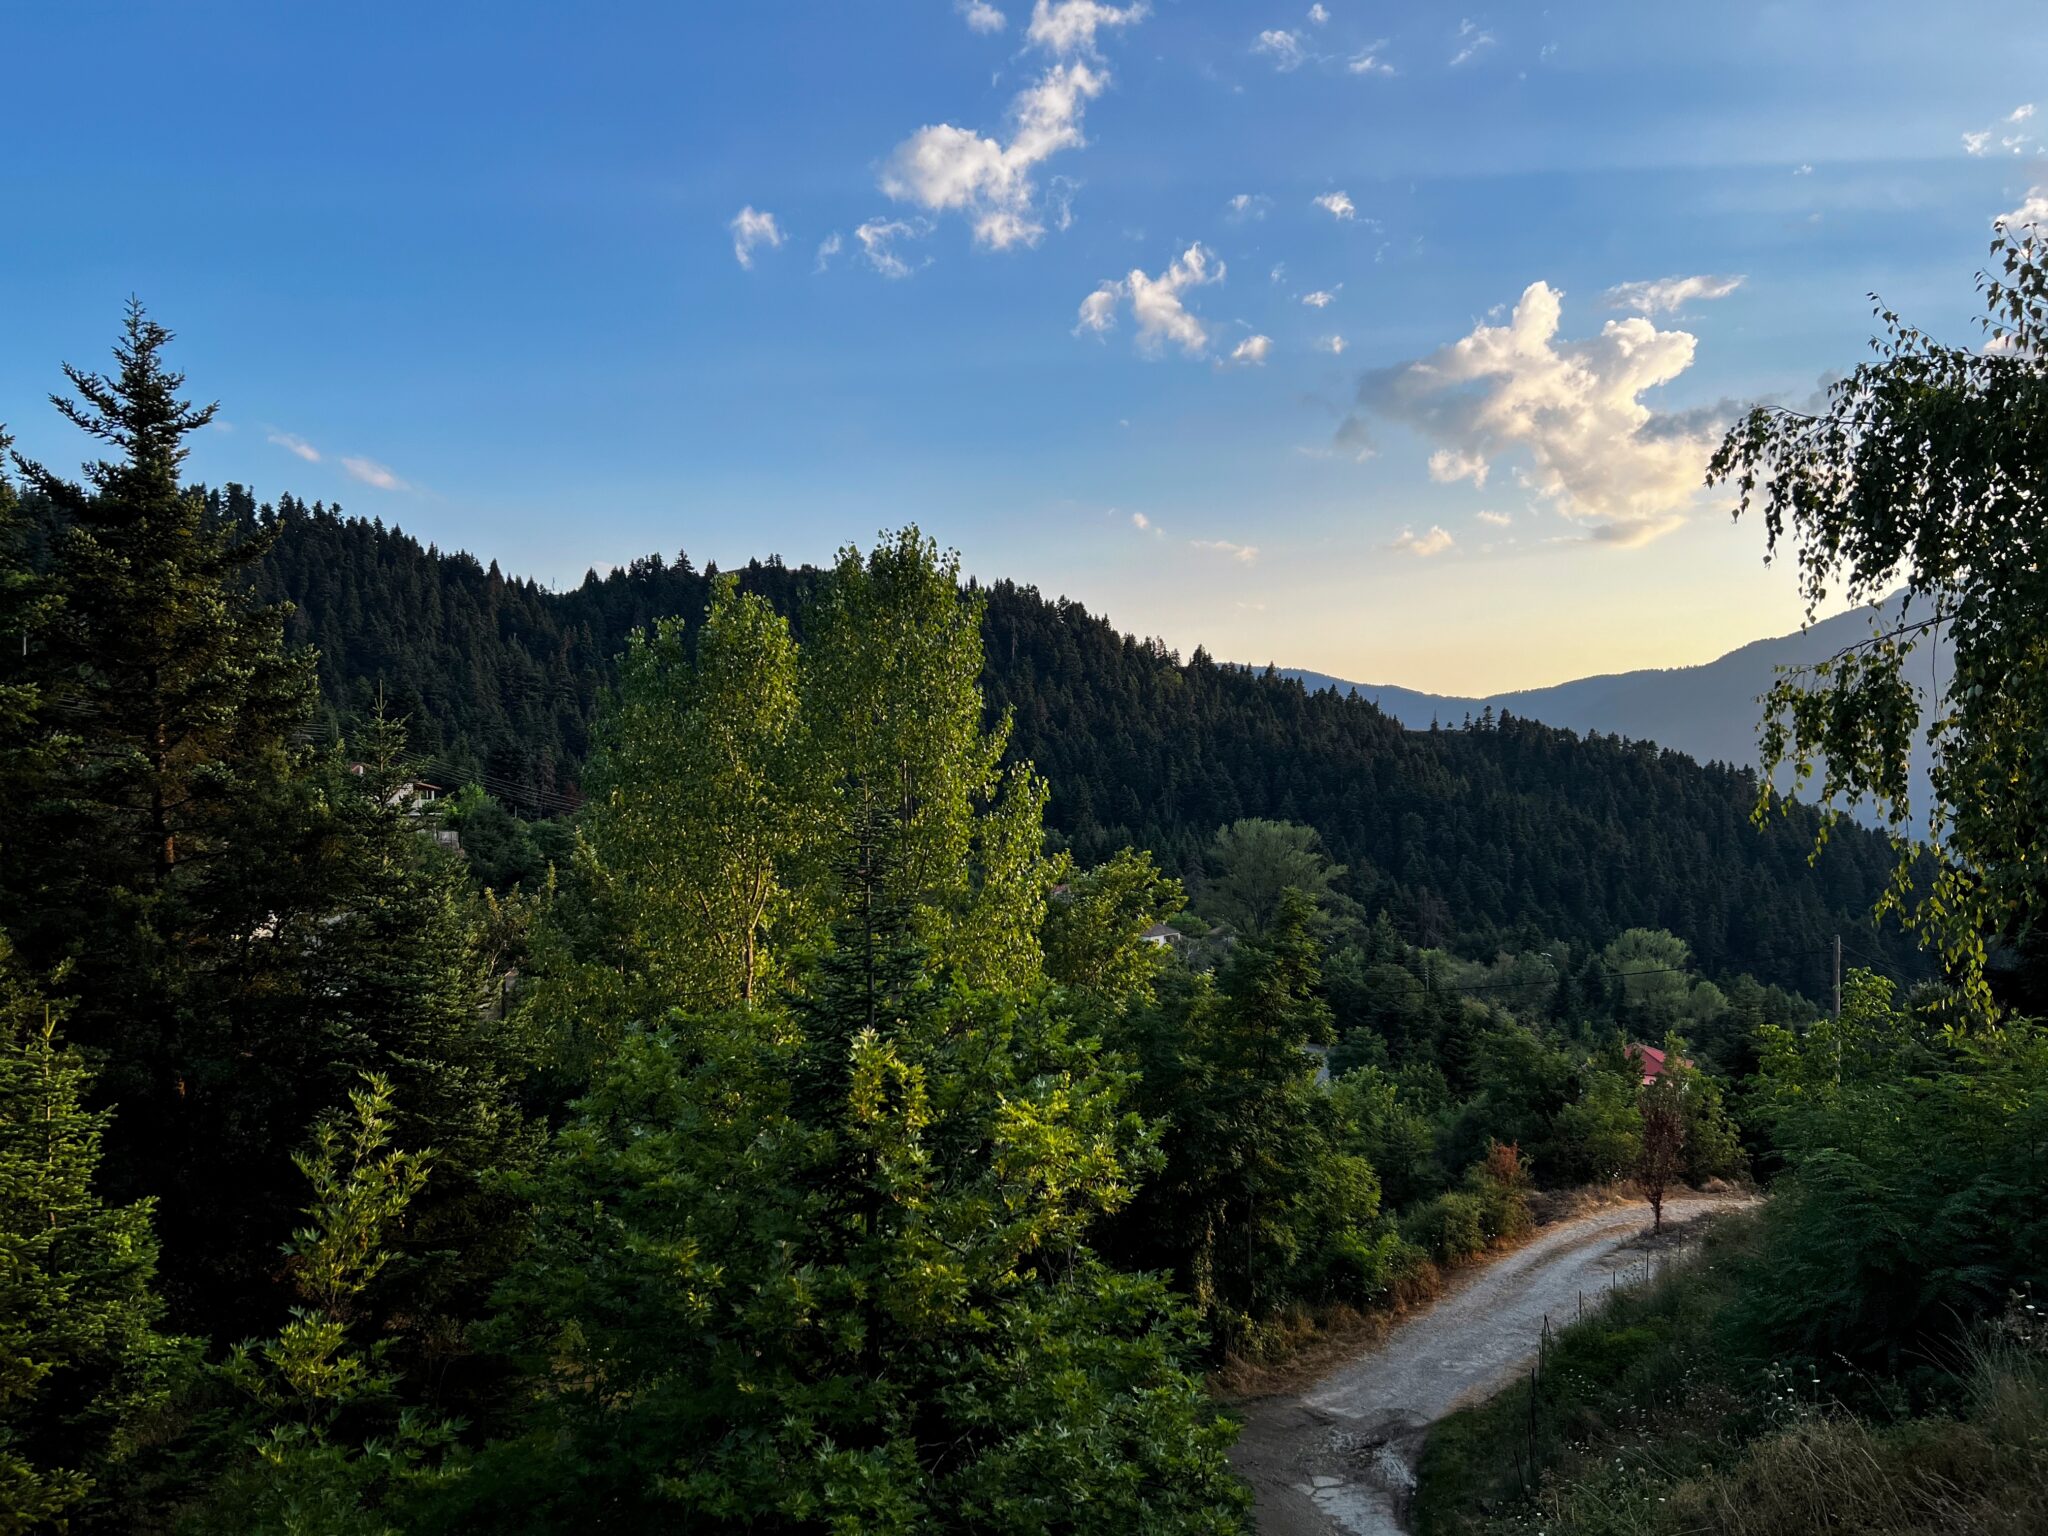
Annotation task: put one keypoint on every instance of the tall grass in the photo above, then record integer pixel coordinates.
(1651, 1422)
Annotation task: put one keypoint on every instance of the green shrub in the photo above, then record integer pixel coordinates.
(1450, 1228)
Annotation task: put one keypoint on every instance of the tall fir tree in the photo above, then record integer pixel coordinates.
(177, 699)
(82, 1365)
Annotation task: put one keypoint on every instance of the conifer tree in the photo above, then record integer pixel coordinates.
(176, 699)
(323, 1444)
(25, 605)
(81, 1361)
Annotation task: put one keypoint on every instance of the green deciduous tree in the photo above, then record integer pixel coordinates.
(824, 1268)
(705, 799)
(81, 1362)
(1254, 862)
(1094, 929)
(891, 683)
(1925, 468)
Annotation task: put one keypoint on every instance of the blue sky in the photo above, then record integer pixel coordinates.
(483, 262)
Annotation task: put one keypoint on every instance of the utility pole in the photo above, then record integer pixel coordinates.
(1838, 975)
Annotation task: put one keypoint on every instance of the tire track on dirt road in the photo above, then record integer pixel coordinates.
(1338, 1459)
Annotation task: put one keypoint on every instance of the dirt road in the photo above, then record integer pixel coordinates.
(1341, 1456)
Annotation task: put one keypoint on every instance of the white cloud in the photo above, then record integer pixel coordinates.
(2015, 143)
(1098, 310)
(1145, 524)
(370, 472)
(1284, 48)
(1065, 28)
(1496, 519)
(943, 168)
(1802, 170)
(1422, 545)
(751, 228)
(2031, 214)
(1247, 206)
(291, 442)
(1469, 41)
(1334, 345)
(829, 247)
(1252, 351)
(980, 15)
(1571, 410)
(1668, 295)
(1320, 299)
(1156, 303)
(1338, 205)
(878, 239)
(1367, 60)
(1318, 14)
(1447, 466)
(1243, 554)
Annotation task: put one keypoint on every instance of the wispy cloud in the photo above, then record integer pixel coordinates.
(1318, 14)
(2015, 142)
(1471, 38)
(1496, 519)
(1668, 295)
(1338, 205)
(1243, 554)
(752, 228)
(1252, 351)
(943, 168)
(1334, 345)
(1145, 524)
(828, 247)
(1368, 60)
(980, 15)
(1283, 48)
(878, 239)
(1422, 545)
(1322, 298)
(291, 442)
(1068, 27)
(1248, 206)
(370, 472)
(1157, 303)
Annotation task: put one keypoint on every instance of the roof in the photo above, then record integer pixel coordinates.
(1652, 1060)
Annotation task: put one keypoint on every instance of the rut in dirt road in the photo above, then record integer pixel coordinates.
(1340, 1457)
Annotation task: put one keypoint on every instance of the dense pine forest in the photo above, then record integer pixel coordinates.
(1497, 831)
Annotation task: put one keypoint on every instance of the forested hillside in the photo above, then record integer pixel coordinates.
(1506, 831)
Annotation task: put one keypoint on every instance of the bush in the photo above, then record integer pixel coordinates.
(1450, 1228)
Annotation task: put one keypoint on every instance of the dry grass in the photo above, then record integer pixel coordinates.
(1297, 1349)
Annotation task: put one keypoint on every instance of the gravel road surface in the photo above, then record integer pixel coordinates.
(1340, 1457)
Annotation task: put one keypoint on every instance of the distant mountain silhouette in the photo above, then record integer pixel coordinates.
(1708, 712)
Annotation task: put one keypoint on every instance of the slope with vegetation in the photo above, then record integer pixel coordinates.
(1507, 832)
(1868, 1355)
(796, 1139)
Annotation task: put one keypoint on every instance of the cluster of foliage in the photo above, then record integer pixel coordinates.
(1501, 833)
(767, 1200)
(797, 1139)
(1869, 1355)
